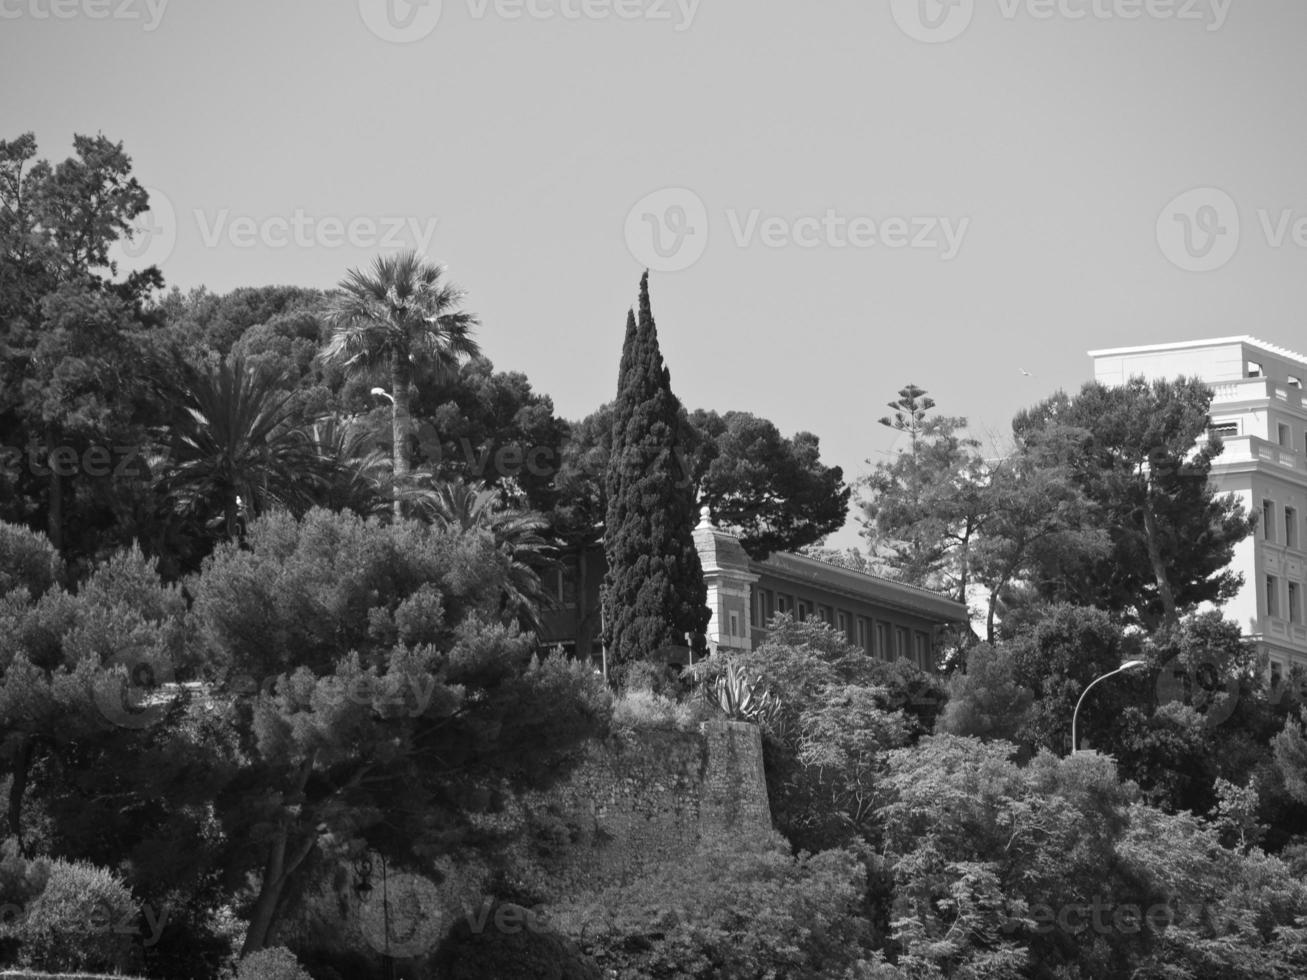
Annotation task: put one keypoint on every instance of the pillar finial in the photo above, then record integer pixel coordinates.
(705, 517)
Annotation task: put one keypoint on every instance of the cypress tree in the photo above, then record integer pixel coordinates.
(654, 594)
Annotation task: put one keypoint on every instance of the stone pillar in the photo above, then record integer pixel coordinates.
(730, 585)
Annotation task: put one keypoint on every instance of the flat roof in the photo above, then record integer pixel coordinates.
(1190, 344)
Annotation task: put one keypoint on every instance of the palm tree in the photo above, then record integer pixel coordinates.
(400, 313)
(476, 509)
(236, 444)
(355, 472)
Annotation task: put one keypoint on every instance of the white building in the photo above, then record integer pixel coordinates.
(1258, 410)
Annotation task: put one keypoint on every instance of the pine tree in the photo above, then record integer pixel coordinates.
(654, 594)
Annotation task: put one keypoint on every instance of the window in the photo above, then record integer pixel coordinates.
(735, 624)
(922, 651)
(1268, 520)
(1282, 435)
(804, 611)
(842, 623)
(883, 649)
(1254, 370)
(764, 607)
(782, 603)
(900, 643)
(1277, 673)
(1291, 527)
(864, 635)
(823, 613)
(1272, 596)
(1226, 430)
(1293, 603)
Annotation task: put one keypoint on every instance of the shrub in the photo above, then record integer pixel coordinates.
(273, 963)
(739, 912)
(81, 921)
(644, 709)
(643, 675)
(27, 560)
(524, 949)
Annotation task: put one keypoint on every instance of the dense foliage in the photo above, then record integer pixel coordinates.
(262, 626)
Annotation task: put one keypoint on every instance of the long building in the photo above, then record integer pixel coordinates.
(1259, 413)
(887, 619)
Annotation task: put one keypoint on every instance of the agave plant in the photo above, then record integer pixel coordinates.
(741, 696)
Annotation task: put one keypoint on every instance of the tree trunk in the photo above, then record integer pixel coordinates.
(401, 375)
(55, 518)
(18, 787)
(231, 515)
(277, 871)
(1164, 590)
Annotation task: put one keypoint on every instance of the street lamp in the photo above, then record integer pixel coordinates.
(1128, 665)
(383, 393)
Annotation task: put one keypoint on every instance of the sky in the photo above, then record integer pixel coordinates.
(834, 198)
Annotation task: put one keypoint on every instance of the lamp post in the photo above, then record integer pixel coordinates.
(383, 393)
(1128, 665)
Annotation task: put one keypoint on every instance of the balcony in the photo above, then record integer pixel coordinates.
(1256, 390)
(1254, 449)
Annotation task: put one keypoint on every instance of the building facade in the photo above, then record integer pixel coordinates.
(887, 619)
(1259, 412)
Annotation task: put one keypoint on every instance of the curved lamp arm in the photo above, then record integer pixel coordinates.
(1128, 665)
